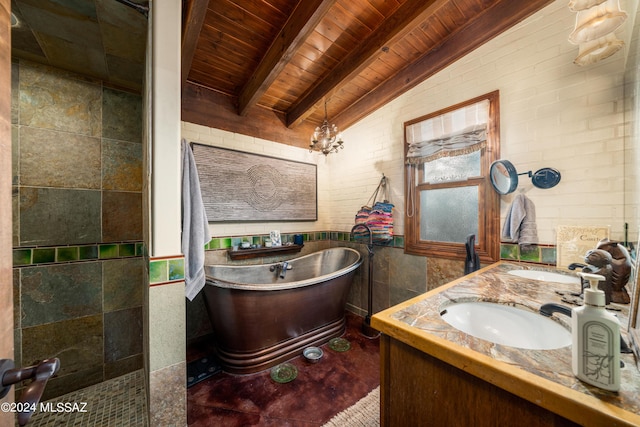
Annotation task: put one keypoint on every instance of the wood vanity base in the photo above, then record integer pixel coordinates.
(420, 390)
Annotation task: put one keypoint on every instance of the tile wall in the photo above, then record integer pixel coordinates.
(79, 272)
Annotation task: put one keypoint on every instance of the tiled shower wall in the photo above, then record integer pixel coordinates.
(77, 235)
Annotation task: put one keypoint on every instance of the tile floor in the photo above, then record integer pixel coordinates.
(319, 391)
(120, 402)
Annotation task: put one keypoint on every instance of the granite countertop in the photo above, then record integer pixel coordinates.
(541, 376)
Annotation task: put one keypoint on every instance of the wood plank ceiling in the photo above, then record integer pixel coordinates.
(265, 68)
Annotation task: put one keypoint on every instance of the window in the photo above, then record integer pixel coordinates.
(447, 188)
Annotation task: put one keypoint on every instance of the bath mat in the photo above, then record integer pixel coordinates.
(364, 413)
(201, 369)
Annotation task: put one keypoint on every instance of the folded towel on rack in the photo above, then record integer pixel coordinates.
(195, 226)
(520, 223)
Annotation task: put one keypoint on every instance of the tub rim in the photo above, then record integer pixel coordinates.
(212, 281)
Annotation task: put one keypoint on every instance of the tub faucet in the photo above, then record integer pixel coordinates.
(281, 269)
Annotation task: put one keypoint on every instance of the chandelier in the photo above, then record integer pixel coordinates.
(326, 137)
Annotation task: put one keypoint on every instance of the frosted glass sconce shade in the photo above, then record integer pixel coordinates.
(597, 22)
(596, 50)
(578, 5)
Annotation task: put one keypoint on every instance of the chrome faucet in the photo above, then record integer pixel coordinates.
(281, 268)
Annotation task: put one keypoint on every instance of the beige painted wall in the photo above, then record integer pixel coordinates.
(166, 334)
(553, 114)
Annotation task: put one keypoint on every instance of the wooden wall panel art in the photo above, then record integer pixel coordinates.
(239, 186)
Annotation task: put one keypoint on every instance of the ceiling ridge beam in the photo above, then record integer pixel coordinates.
(400, 23)
(505, 14)
(195, 12)
(301, 23)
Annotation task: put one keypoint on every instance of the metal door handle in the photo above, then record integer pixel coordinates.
(39, 373)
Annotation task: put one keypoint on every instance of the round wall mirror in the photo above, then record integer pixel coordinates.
(504, 177)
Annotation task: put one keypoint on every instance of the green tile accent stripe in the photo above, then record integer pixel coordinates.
(542, 254)
(166, 270)
(539, 254)
(23, 257)
(227, 242)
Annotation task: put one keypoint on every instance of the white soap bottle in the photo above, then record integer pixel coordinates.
(595, 339)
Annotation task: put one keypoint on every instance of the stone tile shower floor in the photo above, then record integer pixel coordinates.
(120, 402)
(319, 392)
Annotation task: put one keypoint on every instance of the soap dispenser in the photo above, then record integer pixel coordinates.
(595, 339)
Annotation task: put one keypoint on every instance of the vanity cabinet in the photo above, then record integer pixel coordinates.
(433, 374)
(420, 390)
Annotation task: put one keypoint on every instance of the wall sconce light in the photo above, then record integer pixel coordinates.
(596, 50)
(578, 5)
(597, 21)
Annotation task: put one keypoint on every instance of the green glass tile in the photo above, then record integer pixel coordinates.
(225, 243)
(67, 254)
(140, 249)
(508, 251)
(214, 244)
(158, 271)
(529, 253)
(21, 257)
(548, 255)
(127, 249)
(176, 269)
(41, 255)
(88, 252)
(108, 251)
(334, 235)
(256, 240)
(398, 241)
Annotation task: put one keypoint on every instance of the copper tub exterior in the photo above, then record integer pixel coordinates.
(260, 319)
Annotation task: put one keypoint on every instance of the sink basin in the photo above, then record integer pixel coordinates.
(546, 276)
(506, 325)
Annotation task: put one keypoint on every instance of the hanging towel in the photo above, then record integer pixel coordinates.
(195, 226)
(520, 223)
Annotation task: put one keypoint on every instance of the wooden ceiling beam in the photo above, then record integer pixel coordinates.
(304, 19)
(193, 19)
(501, 16)
(206, 107)
(404, 19)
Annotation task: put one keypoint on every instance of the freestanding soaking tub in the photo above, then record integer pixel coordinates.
(260, 319)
